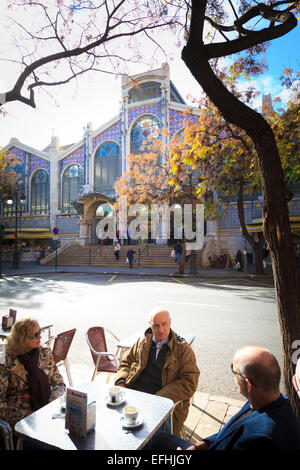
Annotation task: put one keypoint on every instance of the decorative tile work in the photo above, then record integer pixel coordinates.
(294, 208)
(112, 133)
(75, 158)
(38, 163)
(134, 113)
(257, 210)
(19, 168)
(17, 153)
(35, 222)
(28, 222)
(177, 121)
(230, 219)
(67, 224)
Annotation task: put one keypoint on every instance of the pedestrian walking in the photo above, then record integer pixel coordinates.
(178, 251)
(117, 249)
(239, 260)
(130, 254)
(40, 256)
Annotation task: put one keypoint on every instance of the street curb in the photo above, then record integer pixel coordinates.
(143, 274)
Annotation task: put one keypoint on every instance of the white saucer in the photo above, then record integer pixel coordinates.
(139, 421)
(110, 403)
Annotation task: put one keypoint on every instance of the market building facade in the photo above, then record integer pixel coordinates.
(64, 186)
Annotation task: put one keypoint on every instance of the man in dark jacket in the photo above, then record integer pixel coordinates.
(130, 254)
(266, 422)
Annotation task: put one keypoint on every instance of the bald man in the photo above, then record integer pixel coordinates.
(163, 364)
(266, 422)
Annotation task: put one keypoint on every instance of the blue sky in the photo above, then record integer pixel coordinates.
(281, 53)
(96, 99)
(284, 52)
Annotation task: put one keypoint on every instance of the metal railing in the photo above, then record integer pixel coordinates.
(92, 252)
(141, 251)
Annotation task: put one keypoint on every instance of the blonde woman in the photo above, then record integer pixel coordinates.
(29, 379)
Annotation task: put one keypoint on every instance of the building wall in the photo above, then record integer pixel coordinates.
(55, 160)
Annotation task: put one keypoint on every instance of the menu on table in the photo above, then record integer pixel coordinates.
(80, 414)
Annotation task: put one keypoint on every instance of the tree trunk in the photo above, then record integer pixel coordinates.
(258, 256)
(257, 246)
(182, 260)
(275, 210)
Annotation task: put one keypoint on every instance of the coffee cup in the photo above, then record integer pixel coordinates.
(130, 414)
(115, 394)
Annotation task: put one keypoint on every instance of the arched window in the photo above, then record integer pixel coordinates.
(145, 127)
(72, 182)
(106, 168)
(39, 196)
(143, 92)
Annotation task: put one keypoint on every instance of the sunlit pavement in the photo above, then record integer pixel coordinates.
(224, 309)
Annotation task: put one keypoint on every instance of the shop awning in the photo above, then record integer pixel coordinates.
(31, 234)
(256, 225)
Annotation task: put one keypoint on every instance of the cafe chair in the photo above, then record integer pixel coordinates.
(178, 403)
(6, 433)
(104, 361)
(62, 343)
(296, 379)
(296, 386)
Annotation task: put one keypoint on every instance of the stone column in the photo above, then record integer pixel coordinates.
(54, 189)
(84, 232)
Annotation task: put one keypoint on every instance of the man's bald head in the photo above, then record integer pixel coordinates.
(260, 366)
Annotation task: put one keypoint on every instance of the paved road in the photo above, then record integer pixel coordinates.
(224, 314)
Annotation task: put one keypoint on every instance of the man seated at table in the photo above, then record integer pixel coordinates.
(266, 422)
(161, 363)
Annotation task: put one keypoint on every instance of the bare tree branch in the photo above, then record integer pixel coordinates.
(122, 20)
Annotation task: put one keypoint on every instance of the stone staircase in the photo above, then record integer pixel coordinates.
(146, 256)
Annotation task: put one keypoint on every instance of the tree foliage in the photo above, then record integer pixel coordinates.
(9, 178)
(146, 178)
(285, 123)
(247, 25)
(150, 178)
(226, 158)
(287, 132)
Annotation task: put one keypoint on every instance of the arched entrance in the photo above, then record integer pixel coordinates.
(103, 210)
(87, 208)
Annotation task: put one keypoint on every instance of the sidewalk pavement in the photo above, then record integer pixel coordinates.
(30, 268)
(208, 413)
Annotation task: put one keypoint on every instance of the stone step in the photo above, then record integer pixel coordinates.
(153, 256)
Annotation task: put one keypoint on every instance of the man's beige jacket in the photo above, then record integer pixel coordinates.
(179, 376)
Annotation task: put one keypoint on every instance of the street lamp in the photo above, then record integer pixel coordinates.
(2, 233)
(193, 255)
(18, 197)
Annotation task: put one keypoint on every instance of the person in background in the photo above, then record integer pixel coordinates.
(178, 252)
(130, 254)
(117, 249)
(41, 255)
(266, 422)
(29, 378)
(239, 260)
